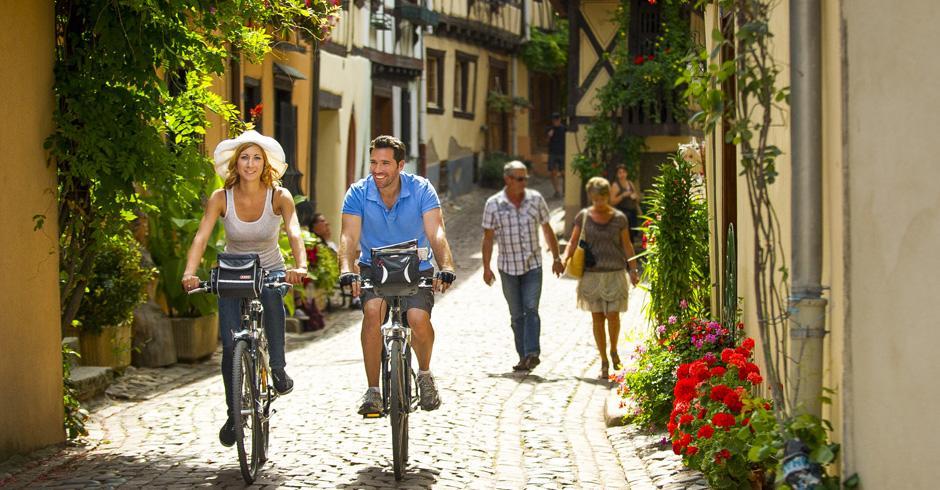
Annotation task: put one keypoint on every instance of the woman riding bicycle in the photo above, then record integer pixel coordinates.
(252, 207)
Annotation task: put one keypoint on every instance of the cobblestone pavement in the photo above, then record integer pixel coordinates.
(495, 429)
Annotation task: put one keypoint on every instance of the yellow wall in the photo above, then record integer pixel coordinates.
(450, 137)
(891, 109)
(30, 353)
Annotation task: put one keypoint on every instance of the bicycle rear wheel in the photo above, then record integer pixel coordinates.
(399, 405)
(245, 411)
(267, 393)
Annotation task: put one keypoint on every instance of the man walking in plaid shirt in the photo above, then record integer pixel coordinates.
(514, 216)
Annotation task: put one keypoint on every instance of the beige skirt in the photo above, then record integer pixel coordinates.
(603, 292)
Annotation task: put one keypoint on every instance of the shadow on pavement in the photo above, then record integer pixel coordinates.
(597, 381)
(525, 377)
(379, 477)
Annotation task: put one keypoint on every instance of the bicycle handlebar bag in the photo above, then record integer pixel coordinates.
(237, 276)
(395, 272)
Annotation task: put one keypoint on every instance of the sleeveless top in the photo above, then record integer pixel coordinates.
(627, 204)
(604, 240)
(258, 236)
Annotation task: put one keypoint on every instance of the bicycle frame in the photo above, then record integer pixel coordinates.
(397, 330)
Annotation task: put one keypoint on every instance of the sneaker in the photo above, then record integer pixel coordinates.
(521, 366)
(430, 400)
(282, 382)
(531, 362)
(371, 403)
(227, 433)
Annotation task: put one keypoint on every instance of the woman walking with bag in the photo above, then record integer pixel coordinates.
(602, 232)
(252, 208)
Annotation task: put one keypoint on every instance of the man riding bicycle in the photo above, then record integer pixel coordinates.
(388, 207)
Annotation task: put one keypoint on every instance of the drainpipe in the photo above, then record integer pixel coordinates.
(806, 304)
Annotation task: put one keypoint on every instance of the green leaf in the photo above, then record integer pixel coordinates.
(822, 455)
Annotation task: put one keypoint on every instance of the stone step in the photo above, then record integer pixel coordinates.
(91, 381)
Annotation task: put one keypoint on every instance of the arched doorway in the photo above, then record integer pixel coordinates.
(351, 151)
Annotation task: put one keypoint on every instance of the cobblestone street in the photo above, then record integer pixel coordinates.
(495, 429)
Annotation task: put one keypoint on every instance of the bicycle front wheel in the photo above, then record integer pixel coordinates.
(245, 411)
(399, 404)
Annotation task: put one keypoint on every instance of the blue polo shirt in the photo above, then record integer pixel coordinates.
(382, 226)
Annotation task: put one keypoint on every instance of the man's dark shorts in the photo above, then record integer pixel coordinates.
(423, 300)
(556, 162)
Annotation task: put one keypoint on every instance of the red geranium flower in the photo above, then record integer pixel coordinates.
(717, 372)
(686, 419)
(718, 392)
(733, 401)
(691, 449)
(755, 378)
(683, 371)
(706, 432)
(685, 390)
(638, 60)
(722, 455)
(726, 354)
(722, 419)
(649, 58)
(748, 343)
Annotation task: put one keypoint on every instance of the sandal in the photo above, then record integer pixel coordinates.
(615, 360)
(605, 374)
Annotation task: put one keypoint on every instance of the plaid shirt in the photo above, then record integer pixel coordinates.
(517, 230)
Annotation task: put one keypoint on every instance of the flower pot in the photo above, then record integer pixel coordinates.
(111, 346)
(195, 338)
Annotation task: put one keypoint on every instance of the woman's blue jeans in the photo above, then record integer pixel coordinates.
(230, 312)
(522, 294)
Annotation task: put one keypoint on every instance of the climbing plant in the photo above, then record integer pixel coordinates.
(645, 81)
(748, 115)
(547, 51)
(133, 82)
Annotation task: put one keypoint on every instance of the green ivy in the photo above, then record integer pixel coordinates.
(499, 102)
(133, 83)
(637, 82)
(547, 51)
(74, 416)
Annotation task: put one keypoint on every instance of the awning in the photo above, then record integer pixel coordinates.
(290, 71)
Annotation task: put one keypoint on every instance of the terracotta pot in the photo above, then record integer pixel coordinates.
(195, 338)
(109, 347)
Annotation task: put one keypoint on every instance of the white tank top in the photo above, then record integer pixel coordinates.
(258, 236)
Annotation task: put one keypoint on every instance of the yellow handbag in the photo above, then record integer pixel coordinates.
(576, 264)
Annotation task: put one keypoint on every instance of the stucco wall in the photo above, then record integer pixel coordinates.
(30, 353)
(892, 104)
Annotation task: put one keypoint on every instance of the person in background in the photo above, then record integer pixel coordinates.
(625, 196)
(556, 153)
(513, 216)
(603, 289)
(320, 227)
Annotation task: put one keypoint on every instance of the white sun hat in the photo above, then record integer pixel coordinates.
(226, 150)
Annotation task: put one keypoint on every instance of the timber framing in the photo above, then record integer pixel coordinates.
(477, 34)
(391, 66)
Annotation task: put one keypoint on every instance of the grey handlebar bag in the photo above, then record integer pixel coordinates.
(395, 269)
(237, 276)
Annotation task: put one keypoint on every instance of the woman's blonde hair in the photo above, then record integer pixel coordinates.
(597, 185)
(267, 174)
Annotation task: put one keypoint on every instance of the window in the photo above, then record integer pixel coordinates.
(435, 81)
(465, 75)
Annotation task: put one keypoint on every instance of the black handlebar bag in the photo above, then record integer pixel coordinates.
(237, 276)
(395, 272)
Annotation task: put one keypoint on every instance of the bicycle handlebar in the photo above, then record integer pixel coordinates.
(423, 282)
(205, 287)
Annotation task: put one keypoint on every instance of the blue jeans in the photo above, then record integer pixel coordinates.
(230, 312)
(522, 294)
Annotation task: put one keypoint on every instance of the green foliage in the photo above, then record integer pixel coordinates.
(174, 219)
(647, 383)
(491, 169)
(547, 51)
(677, 251)
(324, 271)
(639, 81)
(133, 85)
(74, 416)
(498, 102)
(117, 285)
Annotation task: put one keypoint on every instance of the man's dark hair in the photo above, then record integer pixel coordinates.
(392, 142)
(556, 115)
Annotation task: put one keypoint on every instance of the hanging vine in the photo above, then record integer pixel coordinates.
(748, 115)
(645, 81)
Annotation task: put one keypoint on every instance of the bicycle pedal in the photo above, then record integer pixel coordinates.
(372, 415)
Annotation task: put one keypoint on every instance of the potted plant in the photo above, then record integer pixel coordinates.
(117, 285)
(173, 223)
